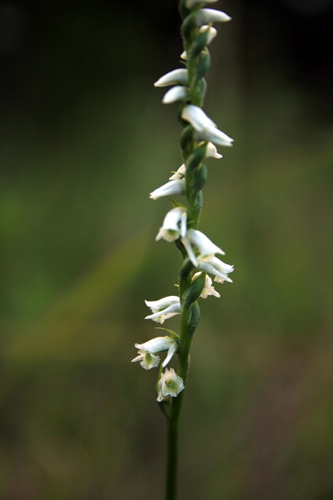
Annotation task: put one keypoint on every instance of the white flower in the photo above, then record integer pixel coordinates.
(169, 385)
(168, 189)
(175, 77)
(177, 93)
(217, 267)
(205, 128)
(191, 3)
(205, 247)
(174, 225)
(208, 288)
(206, 16)
(180, 174)
(164, 308)
(148, 350)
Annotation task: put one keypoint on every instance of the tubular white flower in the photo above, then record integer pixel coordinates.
(204, 246)
(177, 93)
(206, 16)
(197, 118)
(174, 225)
(205, 128)
(191, 3)
(170, 384)
(208, 288)
(180, 174)
(217, 268)
(148, 350)
(164, 308)
(170, 188)
(174, 77)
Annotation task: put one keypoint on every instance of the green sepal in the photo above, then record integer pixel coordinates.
(172, 333)
(175, 204)
(165, 408)
(198, 91)
(195, 289)
(187, 143)
(195, 158)
(200, 177)
(194, 211)
(194, 317)
(188, 26)
(183, 10)
(203, 63)
(181, 248)
(198, 44)
(185, 270)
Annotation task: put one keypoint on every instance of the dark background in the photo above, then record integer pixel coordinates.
(84, 139)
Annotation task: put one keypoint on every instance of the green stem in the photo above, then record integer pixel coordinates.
(172, 451)
(189, 321)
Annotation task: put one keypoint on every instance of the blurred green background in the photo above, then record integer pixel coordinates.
(84, 139)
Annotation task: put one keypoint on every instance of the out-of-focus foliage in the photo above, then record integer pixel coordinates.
(84, 139)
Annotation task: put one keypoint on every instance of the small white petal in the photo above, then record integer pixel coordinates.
(205, 16)
(170, 188)
(191, 3)
(190, 251)
(183, 55)
(180, 174)
(177, 93)
(211, 151)
(171, 352)
(160, 316)
(177, 76)
(197, 118)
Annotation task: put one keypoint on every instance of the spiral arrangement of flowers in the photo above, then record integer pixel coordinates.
(198, 141)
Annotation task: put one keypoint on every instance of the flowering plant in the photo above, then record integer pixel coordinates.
(198, 141)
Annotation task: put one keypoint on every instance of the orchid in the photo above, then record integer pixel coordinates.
(174, 225)
(164, 308)
(147, 351)
(170, 384)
